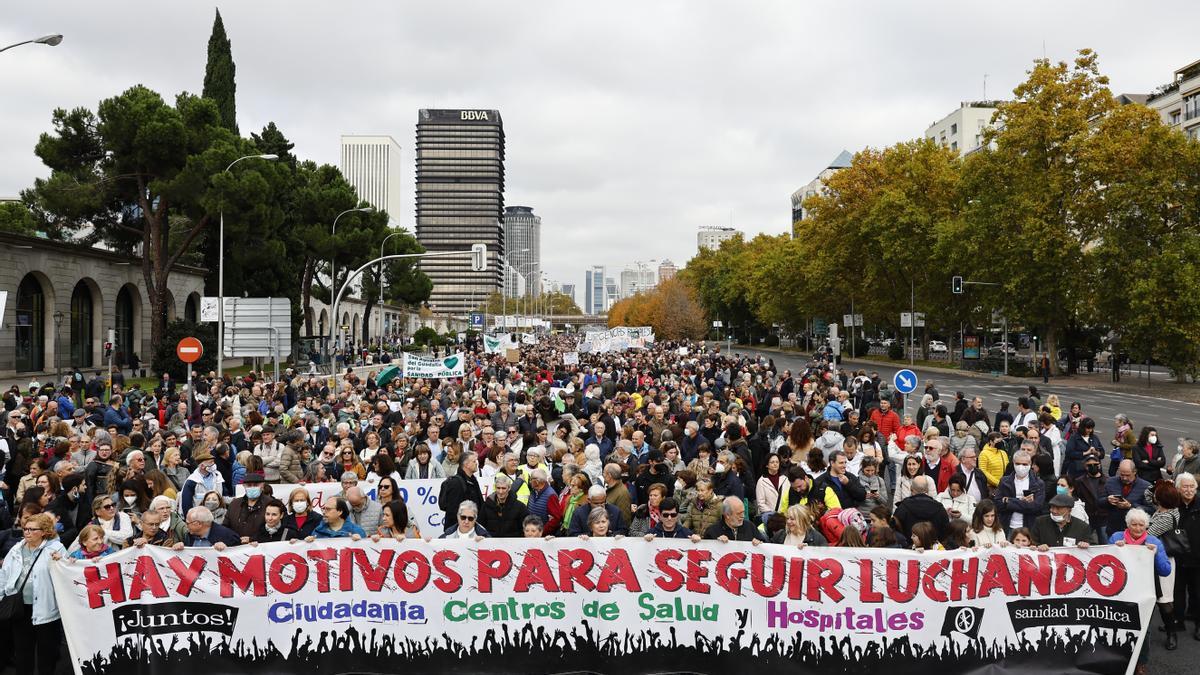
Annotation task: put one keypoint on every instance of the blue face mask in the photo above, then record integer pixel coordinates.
(253, 492)
(1062, 490)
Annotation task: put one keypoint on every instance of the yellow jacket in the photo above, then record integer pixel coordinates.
(992, 462)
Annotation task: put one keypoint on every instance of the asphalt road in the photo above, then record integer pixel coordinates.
(1172, 419)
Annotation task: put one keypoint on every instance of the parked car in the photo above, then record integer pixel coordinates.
(999, 348)
(888, 342)
(937, 347)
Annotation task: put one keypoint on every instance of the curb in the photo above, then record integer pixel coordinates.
(1060, 381)
(1012, 379)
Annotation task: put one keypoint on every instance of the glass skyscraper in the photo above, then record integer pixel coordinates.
(460, 202)
(523, 230)
(594, 291)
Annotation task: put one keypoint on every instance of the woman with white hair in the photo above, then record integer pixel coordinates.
(592, 466)
(1136, 533)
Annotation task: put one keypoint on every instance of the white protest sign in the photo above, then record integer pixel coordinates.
(424, 366)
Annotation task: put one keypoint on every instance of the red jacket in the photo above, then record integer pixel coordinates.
(886, 424)
(904, 432)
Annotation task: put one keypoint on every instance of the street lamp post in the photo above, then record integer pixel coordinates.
(221, 272)
(504, 267)
(337, 296)
(58, 320)
(381, 245)
(333, 255)
(48, 40)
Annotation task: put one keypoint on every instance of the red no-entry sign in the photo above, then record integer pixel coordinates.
(189, 350)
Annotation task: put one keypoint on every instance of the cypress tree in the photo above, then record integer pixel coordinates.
(219, 84)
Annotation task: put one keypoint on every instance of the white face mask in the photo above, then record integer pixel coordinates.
(1153, 439)
(719, 468)
(130, 500)
(1022, 470)
(299, 506)
(1057, 518)
(679, 485)
(211, 504)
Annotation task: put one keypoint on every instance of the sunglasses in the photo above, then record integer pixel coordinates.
(108, 506)
(670, 515)
(467, 519)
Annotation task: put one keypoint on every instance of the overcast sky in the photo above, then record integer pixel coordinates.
(629, 124)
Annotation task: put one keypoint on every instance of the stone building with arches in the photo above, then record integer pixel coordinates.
(64, 298)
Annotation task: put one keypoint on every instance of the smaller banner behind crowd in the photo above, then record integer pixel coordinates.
(424, 366)
(419, 495)
(603, 605)
(616, 339)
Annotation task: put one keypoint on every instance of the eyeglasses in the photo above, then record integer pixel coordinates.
(670, 515)
(33, 529)
(467, 519)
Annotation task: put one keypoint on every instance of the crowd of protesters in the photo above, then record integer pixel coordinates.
(671, 441)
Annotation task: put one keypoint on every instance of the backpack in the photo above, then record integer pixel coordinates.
(835, 521)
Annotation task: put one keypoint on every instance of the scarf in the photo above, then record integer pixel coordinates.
(1129, 538)
(1121, 433)
(571, 504)
(88, 555)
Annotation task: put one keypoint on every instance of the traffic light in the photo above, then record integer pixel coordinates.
(956, 285)
(478, 257)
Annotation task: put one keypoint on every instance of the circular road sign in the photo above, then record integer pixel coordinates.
(905, 381)
(189, 350)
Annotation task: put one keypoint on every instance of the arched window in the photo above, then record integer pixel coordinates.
(31, 325)
(81, 326)
(125, 318)
(191, 310)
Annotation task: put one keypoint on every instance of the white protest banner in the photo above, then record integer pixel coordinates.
(424, 366)
(603, 606)
(529, 339)
(419, 495)
(570, 359)
(493, 345)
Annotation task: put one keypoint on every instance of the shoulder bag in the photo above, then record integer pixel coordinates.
(11, 605)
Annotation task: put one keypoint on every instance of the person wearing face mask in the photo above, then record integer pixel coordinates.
(1187, 458)
(203, 480)
(1090, 489)
(71, 508)
(303, 517)
(245, 514)
(1021, 494)
(1148, 456)
(1058, 528)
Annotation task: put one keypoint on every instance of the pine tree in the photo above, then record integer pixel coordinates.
(219, 84)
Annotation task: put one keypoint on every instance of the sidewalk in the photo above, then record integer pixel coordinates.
(1159, 388)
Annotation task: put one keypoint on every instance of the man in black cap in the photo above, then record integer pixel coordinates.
(1058, 528)
(654, 471)
(246, 514)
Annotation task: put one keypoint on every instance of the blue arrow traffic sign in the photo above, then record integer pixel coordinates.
(905, 381)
